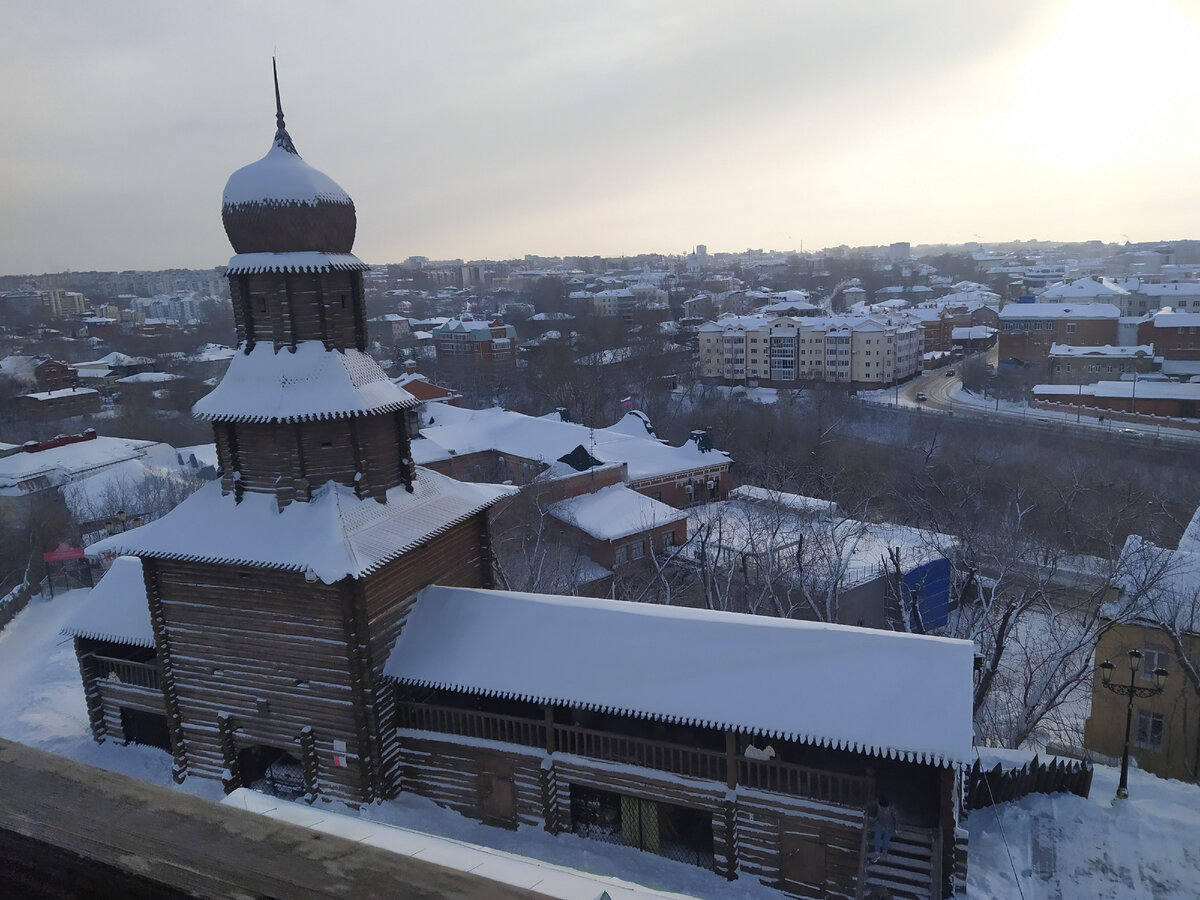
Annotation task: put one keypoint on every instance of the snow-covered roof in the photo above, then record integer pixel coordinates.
(1083, 288)
(21, 472)
(460, 431)
(281, 177)
(1172, 319)
(1060, 311)
(334, 535)
(116, 609)
(856, 689)
(59, 394)
(614, 512)
(797, 502)
(148, 378)
(1107, 351)
(303, 261)
(972, 333)
(312, 383)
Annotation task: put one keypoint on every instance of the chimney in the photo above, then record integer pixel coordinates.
(410, 367)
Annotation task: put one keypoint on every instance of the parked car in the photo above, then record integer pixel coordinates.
(949, 373)
(1129, 432)
(921, 396)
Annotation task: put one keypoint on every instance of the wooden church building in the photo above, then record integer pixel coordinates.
(320, 623)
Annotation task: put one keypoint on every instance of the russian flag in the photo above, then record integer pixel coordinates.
(627, 403)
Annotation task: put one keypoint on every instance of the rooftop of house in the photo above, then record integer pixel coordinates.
(1107, 351)
(59, 465)
(1016, 311)
(615, 512)
(1082, 289)
(883, 693)
(457, 432)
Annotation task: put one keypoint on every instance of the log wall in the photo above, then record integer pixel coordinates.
(285, 308)
(454, 776)
(457, 558)
(754, 833)
(275, 654)
(291, 459)
(270, 651)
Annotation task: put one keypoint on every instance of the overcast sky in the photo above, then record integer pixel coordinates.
(495, 129)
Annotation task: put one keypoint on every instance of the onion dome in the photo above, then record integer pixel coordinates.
(281, 204)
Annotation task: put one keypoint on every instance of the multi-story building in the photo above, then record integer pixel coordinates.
(1029, 330)
(1175, 338)
(474, 351)
(861, 352)
(1087, 365)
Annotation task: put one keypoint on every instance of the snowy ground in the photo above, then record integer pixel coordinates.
(1039, 848)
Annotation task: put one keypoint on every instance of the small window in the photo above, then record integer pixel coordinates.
(637, 549)
(621, 556)
(1154, 656)
(1149, 730)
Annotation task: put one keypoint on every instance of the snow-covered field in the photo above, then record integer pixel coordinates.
(1037, 848)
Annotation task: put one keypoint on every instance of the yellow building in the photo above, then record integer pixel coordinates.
(1164, 735)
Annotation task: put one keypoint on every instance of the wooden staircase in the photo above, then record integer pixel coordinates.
(908, 871)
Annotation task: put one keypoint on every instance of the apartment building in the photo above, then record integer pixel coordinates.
(860, 352)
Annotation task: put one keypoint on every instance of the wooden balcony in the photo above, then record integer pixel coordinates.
(765, 775)
(122, 671)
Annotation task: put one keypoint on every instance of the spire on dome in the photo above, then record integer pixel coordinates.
(283, 140)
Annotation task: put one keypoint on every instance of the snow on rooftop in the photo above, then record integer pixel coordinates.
(793, 501)
(70, 462)
(62, 392)
(461, 431)
(334, 535)
(1107, 350)
(312, 383)
(856, 689)
(615, 511)
(281, 177)
(148, 378)
(301, 261)
(1060, 311)
(116, 608)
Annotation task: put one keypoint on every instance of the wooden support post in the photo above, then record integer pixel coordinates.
(548, 711)
(233, 778)
(731, 840)
(309, 763)
(162, 645)
(730, 760)
(91, 695)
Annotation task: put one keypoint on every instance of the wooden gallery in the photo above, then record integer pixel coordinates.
(319, 623)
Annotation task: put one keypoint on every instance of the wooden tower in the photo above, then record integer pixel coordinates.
(277, 593)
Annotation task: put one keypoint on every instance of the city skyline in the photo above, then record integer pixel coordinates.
(480, 131)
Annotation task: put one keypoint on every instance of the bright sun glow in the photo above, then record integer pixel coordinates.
(1106, 78)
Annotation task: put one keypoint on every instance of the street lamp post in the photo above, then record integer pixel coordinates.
(120, 524)
(1131, 690)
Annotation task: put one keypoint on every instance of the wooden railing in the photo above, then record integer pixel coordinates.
(123, 671)
(472, 723)
(801, 781)
(765, 775)
(659, 755)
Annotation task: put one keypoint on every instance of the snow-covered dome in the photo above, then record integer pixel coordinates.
(281, 204)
